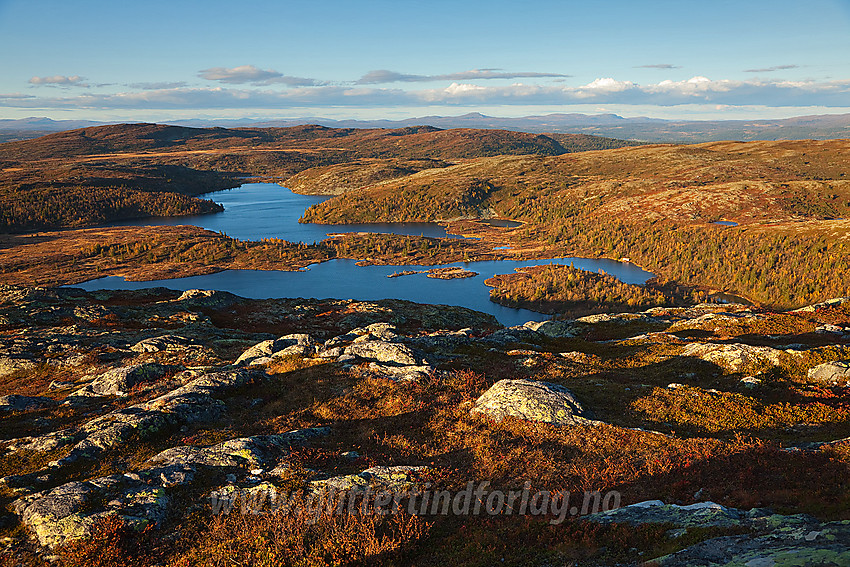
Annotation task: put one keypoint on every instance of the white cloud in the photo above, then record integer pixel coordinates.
(459, 89)
(59, 80)
(249, 74)
(385, 76)
(608, 85)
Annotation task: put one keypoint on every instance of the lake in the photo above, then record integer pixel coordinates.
(266, 210)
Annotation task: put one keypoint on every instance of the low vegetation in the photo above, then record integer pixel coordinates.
(712, 412)
(720, 440)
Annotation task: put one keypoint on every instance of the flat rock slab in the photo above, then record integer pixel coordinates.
(15, 402)
(400, 373)
(163, 343)
(775, 539)
(836, 302)
(815, 547)
(513, 335)
(68, 512)
(187, 404)
(553, 329)
(396, 478)
(734, 357)
(253, 451)
(532, 400)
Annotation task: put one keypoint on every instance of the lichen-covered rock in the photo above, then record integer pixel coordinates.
(15, 402)
(333, 352)
(441, 342)
(382, 351)
(163, 343)
(816, 545)
(614, 318)
(828, 329)
(736, 356)
(296, 344)
(531, 400)
(69, 511)
(831, 373)
(340, 340)
(702, 514)
(302, 339)
(118, 381)
(262, 349)
(428, 317)
(91, 313)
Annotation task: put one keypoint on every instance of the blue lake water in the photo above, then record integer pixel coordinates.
(343, 279)
(265, 210)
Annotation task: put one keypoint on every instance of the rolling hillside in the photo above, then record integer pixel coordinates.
(131, 167)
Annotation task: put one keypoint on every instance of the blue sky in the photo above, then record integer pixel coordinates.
(157, 60)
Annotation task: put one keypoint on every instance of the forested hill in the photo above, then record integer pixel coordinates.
(414, 141)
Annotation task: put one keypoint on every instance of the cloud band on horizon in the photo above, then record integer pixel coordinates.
(697, 90)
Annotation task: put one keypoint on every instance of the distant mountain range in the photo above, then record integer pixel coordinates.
(819, 127)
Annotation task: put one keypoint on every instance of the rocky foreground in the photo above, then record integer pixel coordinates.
(725, 429)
